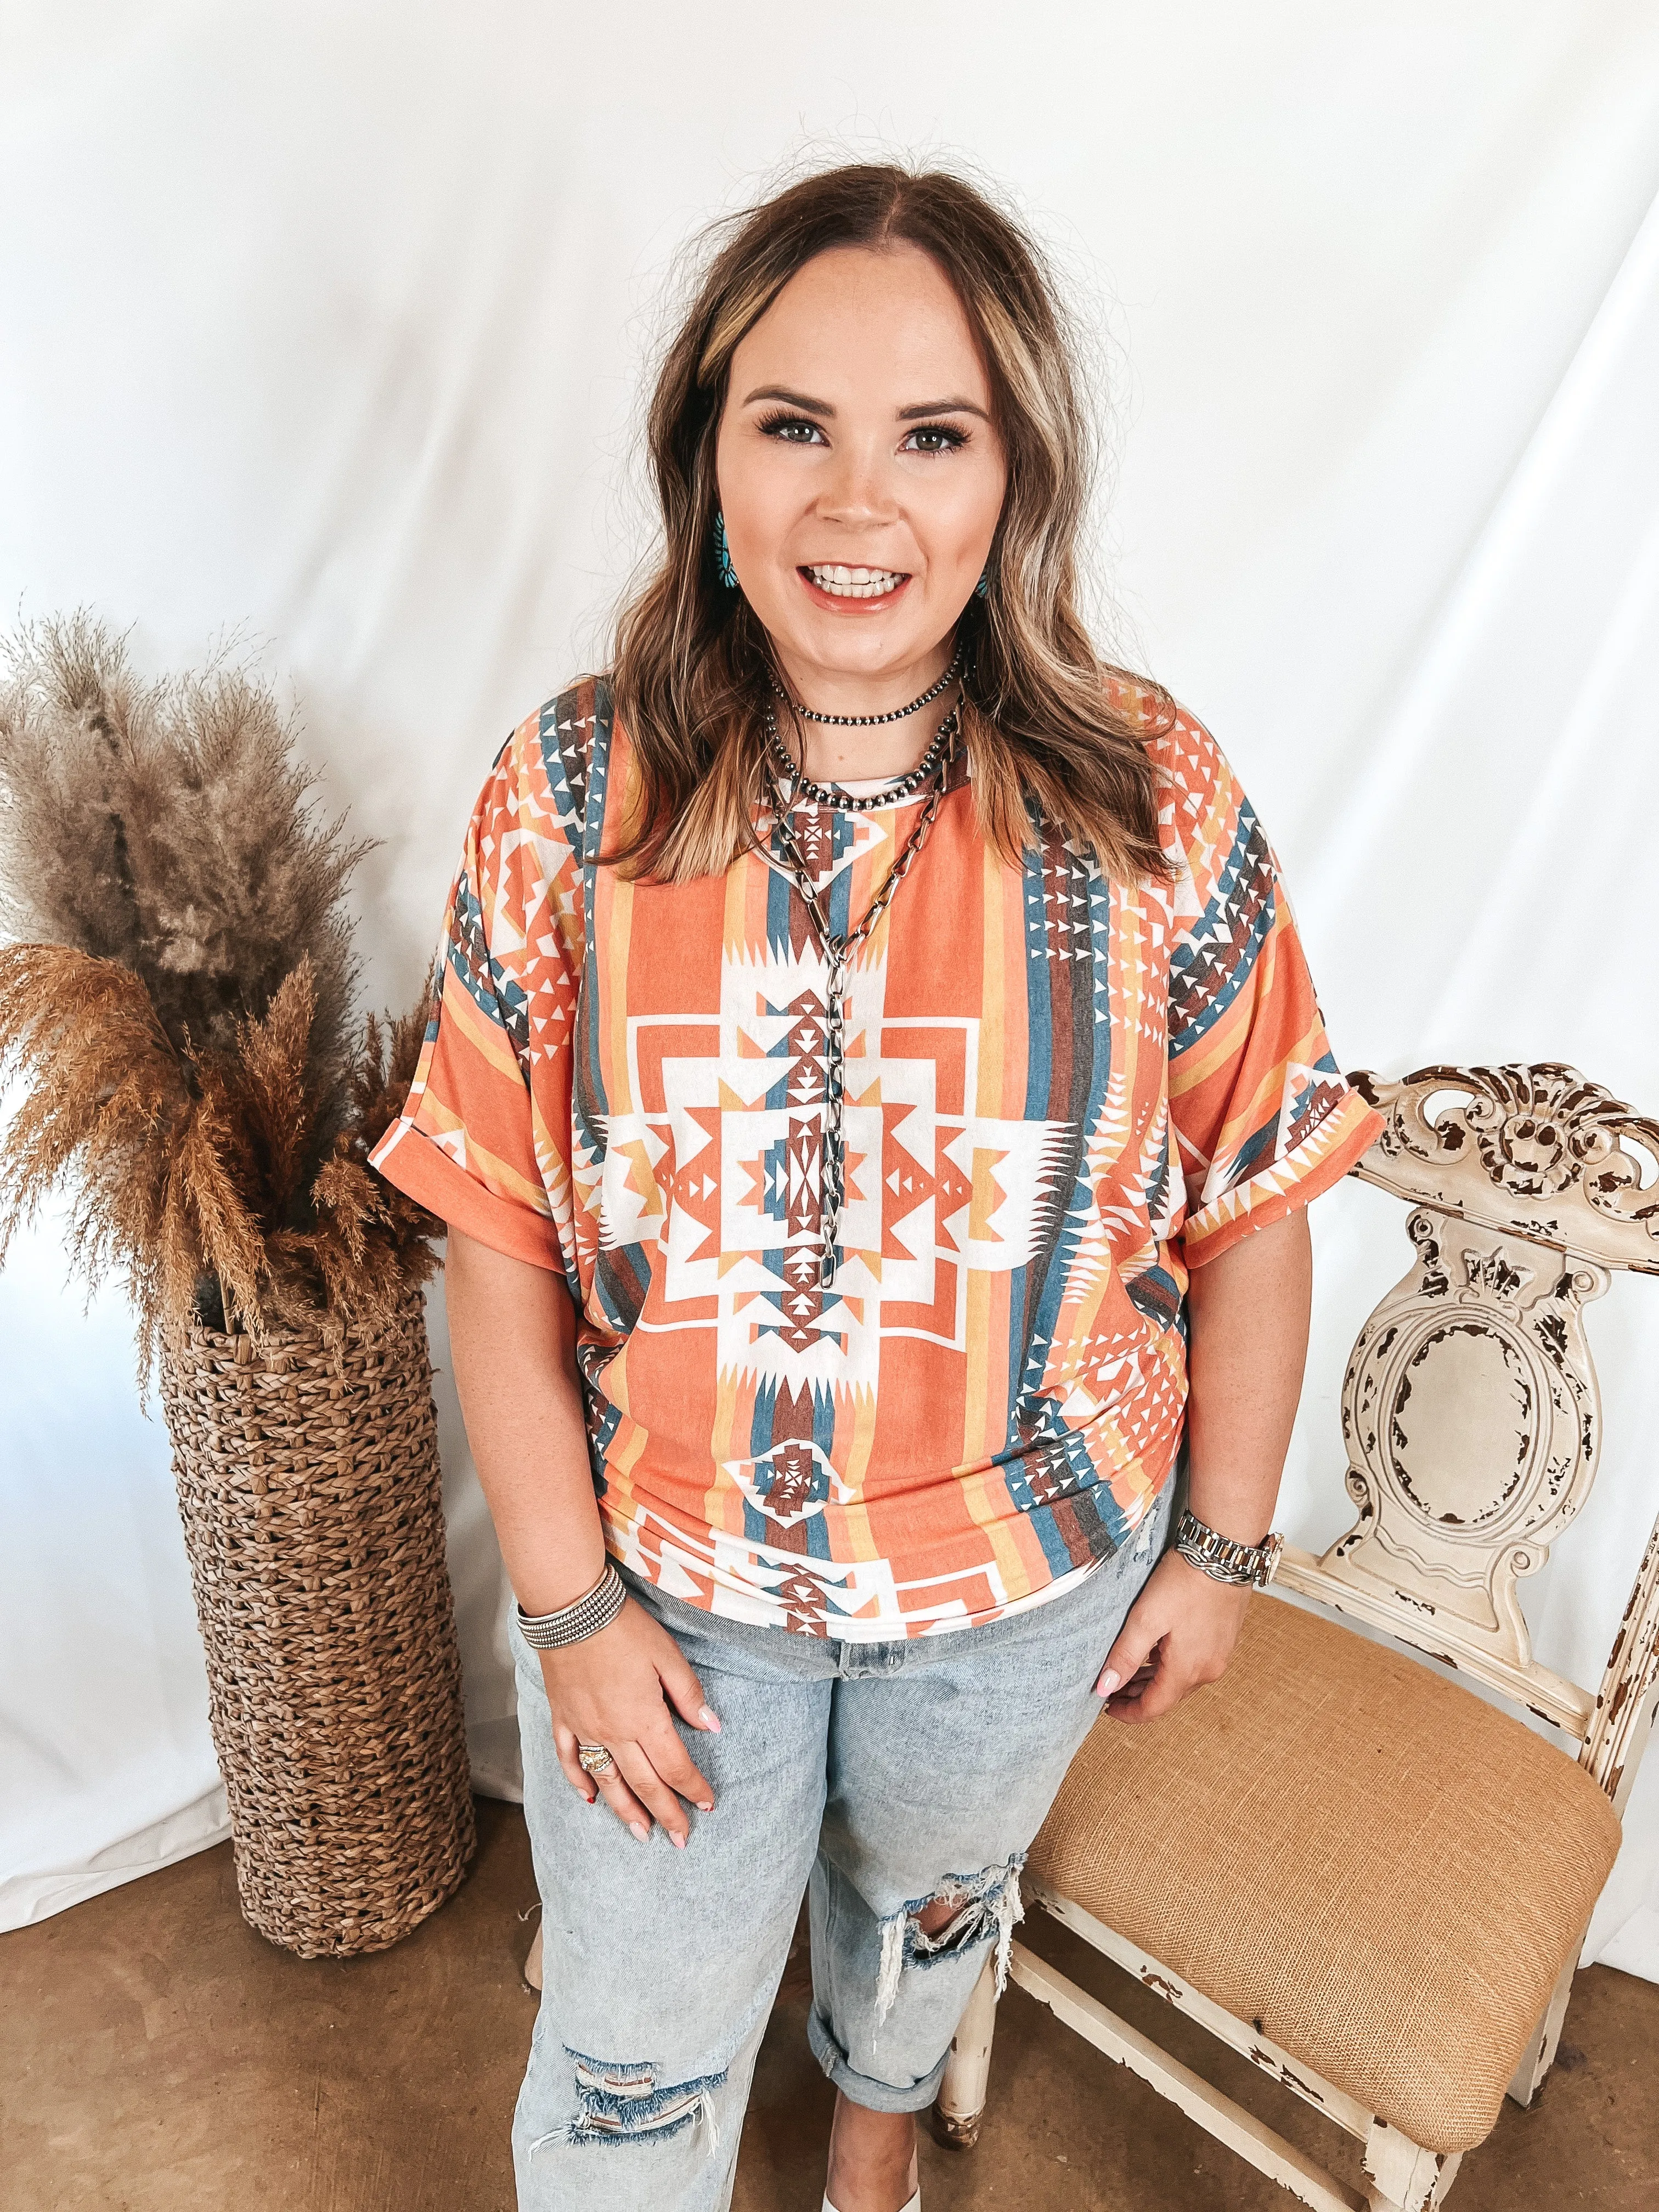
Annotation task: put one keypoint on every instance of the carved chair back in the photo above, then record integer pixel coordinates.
(1470, 1407)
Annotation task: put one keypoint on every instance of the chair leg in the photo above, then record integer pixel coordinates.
(966, 2070)
(1540, 2054)
(1404, 2176)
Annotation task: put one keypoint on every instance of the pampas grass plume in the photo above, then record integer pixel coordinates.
(178, 1009)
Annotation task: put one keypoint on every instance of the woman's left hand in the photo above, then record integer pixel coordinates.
(1180, 1633)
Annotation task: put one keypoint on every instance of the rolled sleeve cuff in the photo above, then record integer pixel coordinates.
(422, 1170)
(1285, 1186)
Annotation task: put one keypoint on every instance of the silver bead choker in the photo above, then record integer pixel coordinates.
(873, 721)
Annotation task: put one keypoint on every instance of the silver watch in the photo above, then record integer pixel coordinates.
(1249, 1565)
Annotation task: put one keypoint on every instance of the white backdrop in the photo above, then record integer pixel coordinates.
(324, 321)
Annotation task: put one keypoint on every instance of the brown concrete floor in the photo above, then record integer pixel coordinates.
(156, 2055)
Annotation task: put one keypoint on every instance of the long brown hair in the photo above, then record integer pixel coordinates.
(1046, 730)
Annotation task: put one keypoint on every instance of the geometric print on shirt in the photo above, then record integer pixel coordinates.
(1061, 1093)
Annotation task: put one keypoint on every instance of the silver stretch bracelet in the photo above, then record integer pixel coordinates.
(575, 1624)
(1225, 1560)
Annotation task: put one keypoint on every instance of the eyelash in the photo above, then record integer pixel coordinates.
(954, 439)
(773, 426)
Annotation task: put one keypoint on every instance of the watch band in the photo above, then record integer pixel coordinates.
(1225, 1560)
(574, 1624)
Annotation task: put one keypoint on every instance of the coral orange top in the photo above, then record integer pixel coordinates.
(1060, 1096)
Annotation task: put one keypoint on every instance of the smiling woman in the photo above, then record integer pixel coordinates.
(874, 1088)
(860, 515)
(870, 409)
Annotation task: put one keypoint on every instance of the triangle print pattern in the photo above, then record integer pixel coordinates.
(1061, 1095)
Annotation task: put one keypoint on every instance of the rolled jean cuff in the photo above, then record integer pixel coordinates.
(874, 2096)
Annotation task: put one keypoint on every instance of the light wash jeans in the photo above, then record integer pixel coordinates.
(890, 1775)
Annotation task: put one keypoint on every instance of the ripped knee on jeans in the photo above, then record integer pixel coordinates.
(965, 1911)
(624, 2102)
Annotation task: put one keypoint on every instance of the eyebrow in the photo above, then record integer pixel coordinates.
(806, 405)
(943, 407)
(822, 407)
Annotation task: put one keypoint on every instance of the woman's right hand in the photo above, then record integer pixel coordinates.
(616, 1688)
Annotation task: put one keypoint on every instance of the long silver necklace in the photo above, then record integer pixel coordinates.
(838, 951)
(873, 721)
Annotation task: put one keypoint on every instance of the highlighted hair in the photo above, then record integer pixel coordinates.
(1053, 741)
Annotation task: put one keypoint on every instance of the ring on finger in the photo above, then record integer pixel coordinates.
(595, 1760)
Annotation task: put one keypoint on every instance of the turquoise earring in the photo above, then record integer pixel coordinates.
(982, 589)
(726, 573)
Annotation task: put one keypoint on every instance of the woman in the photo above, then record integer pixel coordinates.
(874, 1088)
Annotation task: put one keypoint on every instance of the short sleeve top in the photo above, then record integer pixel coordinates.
(1061, 1093)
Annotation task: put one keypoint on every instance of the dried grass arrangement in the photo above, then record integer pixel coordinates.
(177, 1002)
(176, 997)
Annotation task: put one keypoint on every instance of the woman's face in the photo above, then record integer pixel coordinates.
(861, 474)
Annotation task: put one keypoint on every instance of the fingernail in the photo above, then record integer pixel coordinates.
(1107, 1684)
(588, 1801)
(639, 1829)
(679, 1840)
(710, 1720)
(709, 1807)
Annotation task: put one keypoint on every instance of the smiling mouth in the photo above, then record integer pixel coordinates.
(844, 583)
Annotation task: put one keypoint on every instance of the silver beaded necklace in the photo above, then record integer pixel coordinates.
(838, 950)
(803, 790)
(873, 721)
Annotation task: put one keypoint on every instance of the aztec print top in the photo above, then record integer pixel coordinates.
(1060, 1097)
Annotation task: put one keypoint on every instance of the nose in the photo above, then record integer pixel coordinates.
(858, 493)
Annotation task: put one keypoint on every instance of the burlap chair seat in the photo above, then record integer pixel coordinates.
(1379, 1870)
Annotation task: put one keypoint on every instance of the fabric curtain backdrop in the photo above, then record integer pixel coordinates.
(325, 324)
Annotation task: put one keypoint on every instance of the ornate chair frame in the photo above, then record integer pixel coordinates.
(1527, 1192)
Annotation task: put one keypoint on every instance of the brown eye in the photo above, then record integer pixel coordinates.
(789, 430)
(934, 438)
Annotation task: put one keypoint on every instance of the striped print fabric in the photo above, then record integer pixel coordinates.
(1062, 1095)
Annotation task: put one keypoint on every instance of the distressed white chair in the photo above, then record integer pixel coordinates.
(1369, 1880)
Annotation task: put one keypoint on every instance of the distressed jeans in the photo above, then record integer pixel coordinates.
(881, 1776)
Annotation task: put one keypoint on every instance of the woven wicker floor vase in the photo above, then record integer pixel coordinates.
(308, 1486)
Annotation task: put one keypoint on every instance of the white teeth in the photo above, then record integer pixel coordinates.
(844, 583)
